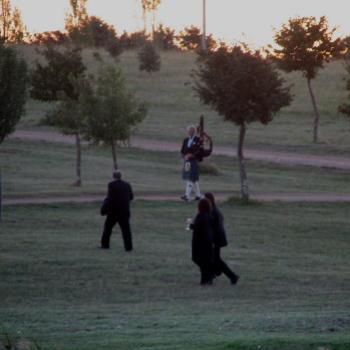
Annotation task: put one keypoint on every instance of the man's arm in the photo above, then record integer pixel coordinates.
(131, 193)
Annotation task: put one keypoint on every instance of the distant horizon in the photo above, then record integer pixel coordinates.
(251, 22)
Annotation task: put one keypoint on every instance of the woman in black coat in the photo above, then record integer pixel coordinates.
(202, 242)
(219, 240)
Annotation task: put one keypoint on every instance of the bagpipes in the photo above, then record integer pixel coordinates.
(205, 142)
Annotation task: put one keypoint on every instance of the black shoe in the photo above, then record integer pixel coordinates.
(184, 198)
(197, 198)
(234, 280)
(104, 247)
(207, 282)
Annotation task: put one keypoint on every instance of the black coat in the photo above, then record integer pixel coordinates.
(194, 149)
(202, 239)
(117, 202)
(219, 233)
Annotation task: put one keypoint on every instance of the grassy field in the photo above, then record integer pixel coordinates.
(58, 288)
(173, 105)
(39, 168)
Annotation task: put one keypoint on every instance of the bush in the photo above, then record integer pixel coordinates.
(149, 58)
(207, 168)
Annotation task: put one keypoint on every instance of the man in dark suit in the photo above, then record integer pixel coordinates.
(117, 208)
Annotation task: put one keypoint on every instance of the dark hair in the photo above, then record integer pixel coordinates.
(117, 174)
(204, 206)
(210, 197)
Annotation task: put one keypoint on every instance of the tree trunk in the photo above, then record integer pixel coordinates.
(153, 23)
(241, 161)
(316, 113)
(78, 160)
(144, 19)
(114, 154)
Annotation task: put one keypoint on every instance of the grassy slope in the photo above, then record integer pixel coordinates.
(31, 168)
(58, 288)
(174, 105)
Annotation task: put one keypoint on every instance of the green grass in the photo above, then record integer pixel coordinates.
(40, 168)
(173, 105)
(58, 288)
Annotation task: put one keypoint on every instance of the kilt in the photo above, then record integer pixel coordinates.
(190, 171)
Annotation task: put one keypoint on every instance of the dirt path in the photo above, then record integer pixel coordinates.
(175, 197)
(287, 158)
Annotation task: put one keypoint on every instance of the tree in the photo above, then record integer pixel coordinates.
(149, 58)
(243, 87)
(13, 79)
(69, 116)
(345, 107)
(49, 80)
(164, 38)
(113, 111)
(78, 15)
(191, 38)
(12, 28)
(61, 80)
(306, 44)
(133, 40)
(5, 18)
(150, 6)
(94, 32)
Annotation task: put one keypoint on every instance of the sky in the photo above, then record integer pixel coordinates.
(251, 21)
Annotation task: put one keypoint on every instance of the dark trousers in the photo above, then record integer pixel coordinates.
(124, 227)
(206, 269)
(207, 274)
(221, 267)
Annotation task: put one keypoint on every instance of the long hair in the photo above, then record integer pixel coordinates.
(204, 206)
(210, 197)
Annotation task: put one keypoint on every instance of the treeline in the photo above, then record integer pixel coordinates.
(97, 33)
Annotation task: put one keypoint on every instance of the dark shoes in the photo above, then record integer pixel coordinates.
(234, 280)
(186, 199)
(104, 247)
(207, 283)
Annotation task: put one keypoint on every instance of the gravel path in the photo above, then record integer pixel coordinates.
(287, 158)
(263, 197)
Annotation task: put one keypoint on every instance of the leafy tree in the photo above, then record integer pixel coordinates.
(5, 18)
(61, 80)
(13, 78)
(51, 37)
(243, 87)
(78, 14)
(306, 44)
(69, 116)
(133, 40)
(12, 28)
(150, 6)
(191, 39)
(113, 111)
(149, 58)
(94, 32)
(345, 107)
(164, 38)
(49, 80)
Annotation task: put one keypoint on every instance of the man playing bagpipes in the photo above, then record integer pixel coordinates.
(192, 152)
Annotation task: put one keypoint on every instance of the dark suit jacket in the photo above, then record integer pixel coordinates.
(117, 202)
(219, 232)
(194, 149)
